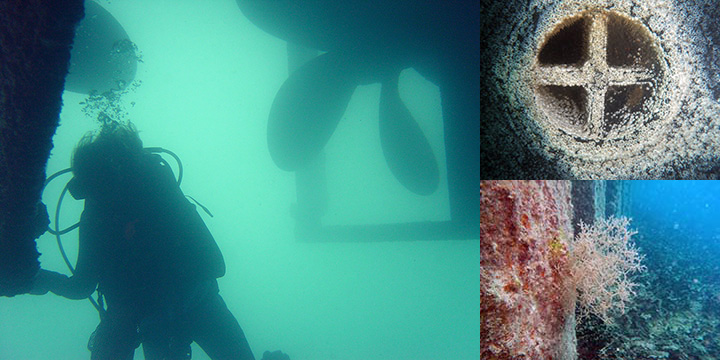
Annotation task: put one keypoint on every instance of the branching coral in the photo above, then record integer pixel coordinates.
(602, 259)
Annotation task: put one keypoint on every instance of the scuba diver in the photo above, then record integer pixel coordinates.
(148, 252)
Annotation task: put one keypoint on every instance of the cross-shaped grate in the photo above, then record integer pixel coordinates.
(595, 75)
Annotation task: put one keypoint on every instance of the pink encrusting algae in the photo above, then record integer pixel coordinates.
(525, 230)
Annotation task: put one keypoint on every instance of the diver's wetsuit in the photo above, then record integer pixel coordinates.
(156, 264)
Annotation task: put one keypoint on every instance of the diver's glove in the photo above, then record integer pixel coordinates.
(44, 280)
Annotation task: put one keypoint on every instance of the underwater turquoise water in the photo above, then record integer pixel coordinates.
(208, 79)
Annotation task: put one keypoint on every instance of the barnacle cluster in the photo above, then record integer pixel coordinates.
(604, 89)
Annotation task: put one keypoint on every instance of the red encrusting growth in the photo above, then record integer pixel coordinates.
(525, 227)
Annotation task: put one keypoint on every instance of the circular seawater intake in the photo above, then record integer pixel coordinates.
(599, 77)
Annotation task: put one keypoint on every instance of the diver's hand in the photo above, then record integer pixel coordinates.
(41, 286)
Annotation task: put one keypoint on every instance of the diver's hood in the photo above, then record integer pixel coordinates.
(76, 189)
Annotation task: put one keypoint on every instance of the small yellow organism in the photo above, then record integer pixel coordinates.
(556, 245)
(518, 283)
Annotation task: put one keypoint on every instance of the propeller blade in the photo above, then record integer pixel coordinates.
(102, 57)
(406, 149)
(307, 109)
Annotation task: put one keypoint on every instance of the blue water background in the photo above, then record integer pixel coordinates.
(686, 214)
